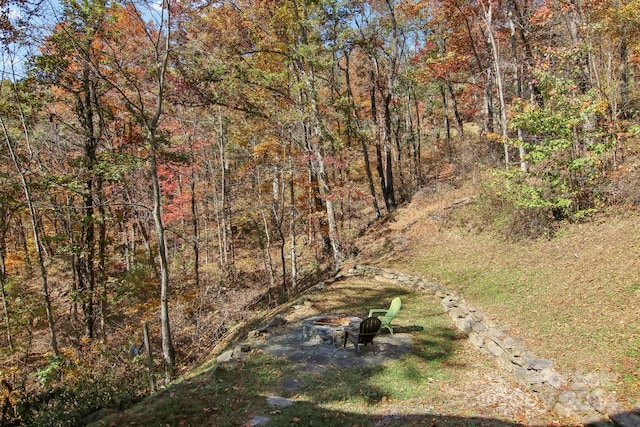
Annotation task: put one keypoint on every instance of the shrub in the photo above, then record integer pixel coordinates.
(515, 209)
(86, 389)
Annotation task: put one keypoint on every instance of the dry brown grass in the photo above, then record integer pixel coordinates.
(573, 298)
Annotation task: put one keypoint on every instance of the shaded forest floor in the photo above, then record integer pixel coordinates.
(573, 298)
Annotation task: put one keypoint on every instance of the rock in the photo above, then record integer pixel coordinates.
(562, 411)
(240, 351)
(517, 360)
(259, 420)
(225, 357)
(274, 323)
(553, 378)
(598, 400)
(279, 401)
(463, 325)
(572, 401)
(479, 327)
(502, 339)
(530, 376)
(495, 349)
(579, 383)
(449, 302)
(519, 351)
(477, 316)
(546, 393)
(441, 293)
(457, 313)
(390, 275)
(476, 339)
(538, 364)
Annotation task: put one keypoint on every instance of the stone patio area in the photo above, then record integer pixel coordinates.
(316, 354)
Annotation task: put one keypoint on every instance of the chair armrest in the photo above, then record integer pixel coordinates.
(377, 310)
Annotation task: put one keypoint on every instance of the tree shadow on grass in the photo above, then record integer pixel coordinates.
(308, 413)
(359, 300)
(390, 395)
(398, 393)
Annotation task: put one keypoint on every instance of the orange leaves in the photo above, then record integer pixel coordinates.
(270, 148)
(542, 15)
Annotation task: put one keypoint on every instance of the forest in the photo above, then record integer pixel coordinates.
(180, 163)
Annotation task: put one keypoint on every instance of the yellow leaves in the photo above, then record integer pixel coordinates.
(494, 137)
(270, 149)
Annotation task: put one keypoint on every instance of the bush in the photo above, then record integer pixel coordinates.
(85, 390)
(508, 205)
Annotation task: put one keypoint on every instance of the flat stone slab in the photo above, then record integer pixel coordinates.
(259, 420)
(279, 401)
(292, 384)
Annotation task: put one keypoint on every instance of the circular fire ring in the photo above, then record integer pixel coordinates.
(328, 329)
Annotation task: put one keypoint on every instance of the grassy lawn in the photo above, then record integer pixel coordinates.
(574, 298)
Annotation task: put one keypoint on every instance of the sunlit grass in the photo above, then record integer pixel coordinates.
(572, 298)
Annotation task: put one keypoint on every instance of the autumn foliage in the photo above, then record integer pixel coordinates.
(259, 138)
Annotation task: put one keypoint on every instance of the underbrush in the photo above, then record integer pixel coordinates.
(67, 391)
(512, 206)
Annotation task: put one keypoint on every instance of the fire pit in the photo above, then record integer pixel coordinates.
(327, 329)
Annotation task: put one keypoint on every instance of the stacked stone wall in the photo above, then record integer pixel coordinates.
(580, 395)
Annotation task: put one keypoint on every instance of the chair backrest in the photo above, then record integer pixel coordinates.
(396, 303)
(370, 326)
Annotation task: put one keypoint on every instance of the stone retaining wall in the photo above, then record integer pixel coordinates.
(577, 395)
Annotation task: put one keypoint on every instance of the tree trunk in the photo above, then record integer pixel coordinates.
(36, 241)
(194, 225)
(3, 281)
(447, 123)
(363, 143)
(388, 192)
(292, 228)
(488, 17)
(102, 259)
(168, 351)
(162, 60)
(517, 83)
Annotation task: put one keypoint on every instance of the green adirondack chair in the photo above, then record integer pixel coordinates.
(389, 313)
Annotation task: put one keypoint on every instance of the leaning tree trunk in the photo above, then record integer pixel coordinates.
(36, 241)
(488, 18)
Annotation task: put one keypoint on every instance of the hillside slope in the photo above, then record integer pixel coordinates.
(573, 298)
